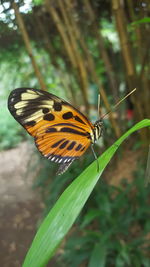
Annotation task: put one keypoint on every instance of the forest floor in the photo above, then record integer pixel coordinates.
(21, 207)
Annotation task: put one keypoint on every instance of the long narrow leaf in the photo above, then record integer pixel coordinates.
(63, 214)
(98, 256)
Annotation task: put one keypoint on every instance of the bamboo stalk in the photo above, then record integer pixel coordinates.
(121, 23)
(79, 60)
(137, 30)
(46, 41)
(126, 50)
(79, 38)
(62, 32)
(91, 65)
(28, 45)
(122, 31)
(68, 47)
(143, 56)
(65, 80)
(108, 66)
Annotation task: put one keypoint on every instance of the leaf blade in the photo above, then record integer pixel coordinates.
(63, 214)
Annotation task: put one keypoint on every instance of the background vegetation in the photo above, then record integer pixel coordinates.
(76, 49)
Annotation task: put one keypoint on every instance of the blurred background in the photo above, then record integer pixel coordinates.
(76, 49)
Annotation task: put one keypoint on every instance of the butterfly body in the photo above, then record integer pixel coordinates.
(61, 132)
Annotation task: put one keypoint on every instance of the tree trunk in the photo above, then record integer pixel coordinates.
(75, 31)
(82, 72)
(68, 47)
(121, 24)
(108, 66)
(28, 45)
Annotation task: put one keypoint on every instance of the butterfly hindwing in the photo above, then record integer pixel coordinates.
(61, 132)
(60, 146)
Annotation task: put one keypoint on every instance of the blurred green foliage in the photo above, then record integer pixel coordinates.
(50, 185)
(140, 21)
(113, 227)
(16, 71)
(11, 132)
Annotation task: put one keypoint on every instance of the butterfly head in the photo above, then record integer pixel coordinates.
(98, 129)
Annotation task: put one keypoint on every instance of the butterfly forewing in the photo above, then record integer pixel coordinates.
(61, 132)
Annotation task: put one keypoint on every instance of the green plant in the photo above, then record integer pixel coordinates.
(50, 185)
(11, 133)
(113, 230)
(14, 74)
(67, 208)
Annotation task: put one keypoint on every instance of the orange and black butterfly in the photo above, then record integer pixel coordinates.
(61, 132)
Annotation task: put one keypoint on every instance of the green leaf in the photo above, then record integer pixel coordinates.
(141, 21)
(90, 216)
(98, 257)
(63, 214)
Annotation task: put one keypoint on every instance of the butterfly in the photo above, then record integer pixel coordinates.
(61, 132)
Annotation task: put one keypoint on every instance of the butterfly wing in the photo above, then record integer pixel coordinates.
(61, 132)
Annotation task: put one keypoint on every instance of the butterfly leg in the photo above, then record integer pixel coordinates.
(95, 158)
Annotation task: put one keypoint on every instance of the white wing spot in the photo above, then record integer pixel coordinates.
(19, 112)
(48, 103)
(27, 96)
(21, 104)
(35, 116)
(31, 92)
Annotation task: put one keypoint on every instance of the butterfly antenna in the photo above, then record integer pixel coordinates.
(95, 158)
(118, 103)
